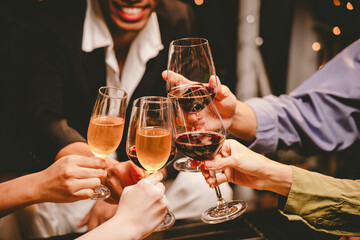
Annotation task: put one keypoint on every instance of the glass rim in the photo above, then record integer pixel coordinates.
(125, 95)
(201, 41)
(164, 99)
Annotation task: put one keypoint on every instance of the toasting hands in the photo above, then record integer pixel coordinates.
(240, 165)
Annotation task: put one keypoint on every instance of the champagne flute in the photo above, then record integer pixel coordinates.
(106, 127)
(190, 63)
(200, 134)
(150, 139)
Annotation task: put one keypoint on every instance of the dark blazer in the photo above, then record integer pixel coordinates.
(62, 81)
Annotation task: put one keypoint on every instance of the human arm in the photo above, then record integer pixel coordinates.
(70, 179)
(141, 209)
(324, 203)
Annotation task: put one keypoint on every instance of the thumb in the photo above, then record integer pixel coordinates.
(164, 75)
(155, 178)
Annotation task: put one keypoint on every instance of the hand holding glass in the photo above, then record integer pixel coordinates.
(190, 64)
(200, 134)
(150, 140)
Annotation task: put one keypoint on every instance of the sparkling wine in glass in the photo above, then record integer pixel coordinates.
(150, 142)
(200, 135)
(106, 127)
(190, 63)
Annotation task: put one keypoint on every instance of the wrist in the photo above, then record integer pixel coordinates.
(128, 230)
(279, 178)
(243, 123)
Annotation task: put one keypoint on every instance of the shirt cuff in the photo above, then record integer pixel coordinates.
(266, 138)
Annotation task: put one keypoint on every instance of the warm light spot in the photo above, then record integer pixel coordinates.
(349, 6)
(199, 2)
(336, 30)
(316, 46)
(337, 3)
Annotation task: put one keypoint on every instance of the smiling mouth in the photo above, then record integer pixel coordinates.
(130, 14)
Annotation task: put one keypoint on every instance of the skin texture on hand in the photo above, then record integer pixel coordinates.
(240, 165)
(141, 209)
(121, 175)
(69, 179)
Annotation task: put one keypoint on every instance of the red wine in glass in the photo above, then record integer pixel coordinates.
(201, 145)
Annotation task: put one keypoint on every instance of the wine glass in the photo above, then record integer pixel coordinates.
(106, 127)
(150, 139)
(190, 63)
(200, 134)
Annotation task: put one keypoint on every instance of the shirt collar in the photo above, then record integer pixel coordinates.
(96, 33)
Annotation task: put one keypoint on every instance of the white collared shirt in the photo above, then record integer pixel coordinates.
(146, 45)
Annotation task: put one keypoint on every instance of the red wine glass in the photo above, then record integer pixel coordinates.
(190, 63)
(200, 134)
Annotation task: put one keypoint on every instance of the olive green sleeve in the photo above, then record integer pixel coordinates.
(324, 203)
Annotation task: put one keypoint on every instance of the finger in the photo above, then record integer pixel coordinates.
(92, 162)
(84, 193)
(176, 79)
(221, 178)
(226, 149)
(214, 83)
(91, 183)
(83, 172)
(84, 221)
(155, 178)
(164, 75)
(161, 186)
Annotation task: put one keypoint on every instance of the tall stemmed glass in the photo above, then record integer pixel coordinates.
(106, 127)
(150, 139)
(189, 63)
(200, 134)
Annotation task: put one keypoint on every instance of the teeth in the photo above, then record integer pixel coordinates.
(133, 10)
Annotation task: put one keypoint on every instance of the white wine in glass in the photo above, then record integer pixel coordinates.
(150, 139)
(106, 127)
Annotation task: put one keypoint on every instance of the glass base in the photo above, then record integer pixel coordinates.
(187, 165)
(215, 215)
(166, 223)
(101, 192)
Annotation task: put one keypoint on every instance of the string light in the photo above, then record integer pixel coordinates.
(349, 6)
(199, 2)
(316, 46)
(337, 3)
(336, 30)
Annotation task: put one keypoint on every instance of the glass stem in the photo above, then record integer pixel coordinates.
(221, 203)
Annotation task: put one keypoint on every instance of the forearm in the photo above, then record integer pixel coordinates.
(278, 178)
(18, 193)
(113, 229)
(243, 123)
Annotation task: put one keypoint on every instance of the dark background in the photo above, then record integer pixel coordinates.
(217, 21)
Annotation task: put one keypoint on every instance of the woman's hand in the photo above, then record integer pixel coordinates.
(240, 165)
(71, 178)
